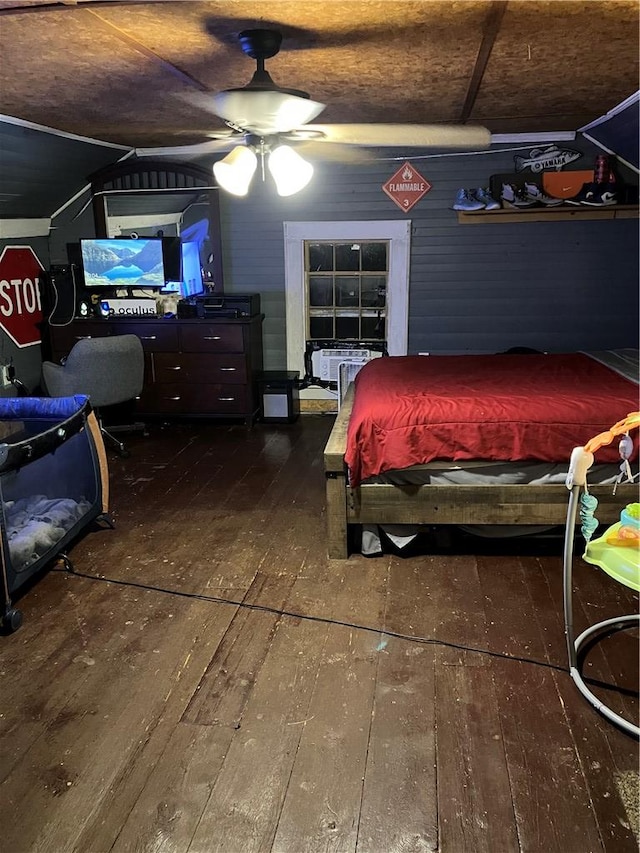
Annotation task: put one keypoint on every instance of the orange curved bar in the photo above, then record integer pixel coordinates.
(632, 421)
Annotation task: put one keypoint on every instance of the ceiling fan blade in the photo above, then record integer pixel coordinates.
(211, 146)
(404, 135)
(320, 149)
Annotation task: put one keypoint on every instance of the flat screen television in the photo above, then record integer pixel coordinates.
(119, 262)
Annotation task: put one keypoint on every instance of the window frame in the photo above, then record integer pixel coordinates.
(396, 232)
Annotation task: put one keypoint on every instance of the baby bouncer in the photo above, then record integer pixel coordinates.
(616, 552)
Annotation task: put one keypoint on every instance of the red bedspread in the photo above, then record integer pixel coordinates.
(410, 410)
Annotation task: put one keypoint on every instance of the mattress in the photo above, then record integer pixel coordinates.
(414, 410)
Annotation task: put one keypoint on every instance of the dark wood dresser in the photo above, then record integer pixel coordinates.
(197, 367)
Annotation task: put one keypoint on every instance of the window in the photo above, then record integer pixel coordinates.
(346, 288)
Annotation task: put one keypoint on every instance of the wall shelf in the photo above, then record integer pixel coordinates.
(555, 214)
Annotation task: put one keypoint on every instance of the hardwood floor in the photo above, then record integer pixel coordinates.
(134, 719)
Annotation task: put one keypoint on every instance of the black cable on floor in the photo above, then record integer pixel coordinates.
(324, 619)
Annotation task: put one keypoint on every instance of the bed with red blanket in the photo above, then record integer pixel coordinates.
(406, 416)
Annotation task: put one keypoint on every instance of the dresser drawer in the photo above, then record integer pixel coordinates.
(206, 399)
(204, 368)
(155, 337)
(211, 337)
(63, 338)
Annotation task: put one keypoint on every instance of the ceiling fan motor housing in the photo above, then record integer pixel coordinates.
(260, 44)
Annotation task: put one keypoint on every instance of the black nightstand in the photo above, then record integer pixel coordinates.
(279, 396)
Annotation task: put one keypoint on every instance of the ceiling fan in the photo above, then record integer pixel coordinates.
(264, 117)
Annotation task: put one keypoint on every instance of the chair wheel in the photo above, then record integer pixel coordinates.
(123, 453)
(11, 620)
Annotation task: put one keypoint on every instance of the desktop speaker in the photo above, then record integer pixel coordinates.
(60, 295)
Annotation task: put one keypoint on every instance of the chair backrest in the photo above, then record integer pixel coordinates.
(109, 370)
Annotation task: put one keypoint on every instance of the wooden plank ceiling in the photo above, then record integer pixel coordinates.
(119, 71)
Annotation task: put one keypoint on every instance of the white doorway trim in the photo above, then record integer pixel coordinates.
(398, 232)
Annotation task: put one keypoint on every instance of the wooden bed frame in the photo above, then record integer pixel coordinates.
(490, 504)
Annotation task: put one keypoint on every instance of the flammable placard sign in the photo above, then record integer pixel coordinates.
(406, 187)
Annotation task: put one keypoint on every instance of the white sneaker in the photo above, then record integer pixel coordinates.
(534, 192)
(513, 197)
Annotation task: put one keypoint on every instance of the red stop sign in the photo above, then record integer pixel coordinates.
(20, 306)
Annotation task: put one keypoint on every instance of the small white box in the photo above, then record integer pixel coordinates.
(131, 307)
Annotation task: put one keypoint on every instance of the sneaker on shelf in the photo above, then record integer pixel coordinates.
(513, 197)
(483, 195)
(465, 200)
(602, 196)
(585, 194)
(534, 192)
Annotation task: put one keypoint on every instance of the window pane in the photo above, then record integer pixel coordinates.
(373, 328)
(347, 257)
(320, 290)
(374, 290)
(374, 256)
(347, 328)
(321, 327)
(347, 291)
(320, 257)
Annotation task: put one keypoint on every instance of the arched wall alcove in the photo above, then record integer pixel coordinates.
(158, 195)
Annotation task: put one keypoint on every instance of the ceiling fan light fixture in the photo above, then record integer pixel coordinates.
(264, 111)
(235, 172)
(289, 170)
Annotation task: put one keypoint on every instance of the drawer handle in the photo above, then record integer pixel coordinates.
(177, 367)
(147, 337)
(83, 337)
(172, 398)
(211, 338)
(228, 368)
(226, 399)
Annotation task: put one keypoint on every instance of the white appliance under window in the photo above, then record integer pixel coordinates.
(347, 371)
(326, 362)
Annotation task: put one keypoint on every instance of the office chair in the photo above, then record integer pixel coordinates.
(108, 370)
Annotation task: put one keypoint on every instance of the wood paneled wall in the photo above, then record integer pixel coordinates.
(553, 286)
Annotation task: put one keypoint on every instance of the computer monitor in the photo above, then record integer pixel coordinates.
(119, 262)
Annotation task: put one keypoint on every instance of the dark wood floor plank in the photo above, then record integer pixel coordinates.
(168, 807)
(222, 692)
(243, 809)
(451, 608)
(291, 651)
(605, 753)
(263, 537)
(551, 801)
(556, 816)
(322, 802)
(197, 499)
(204, 626)
(399, 803)
(53, 648)
(511, 627)
(338, 734)
(68, 771)
(474, 797)
(168, 810)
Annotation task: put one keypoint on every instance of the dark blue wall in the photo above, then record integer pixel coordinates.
(474, 288)
(555, 286)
